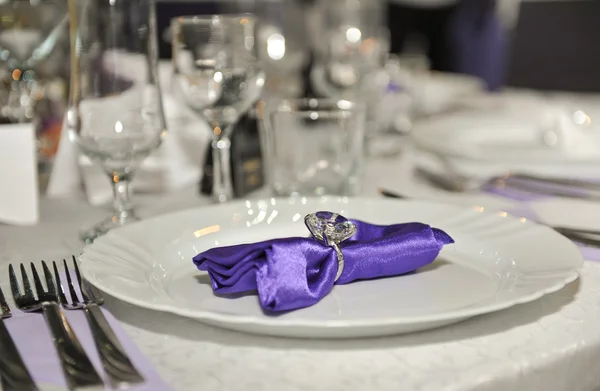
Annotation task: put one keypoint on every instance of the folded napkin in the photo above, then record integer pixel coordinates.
(292, 273)
(18, 175)
(572, 130)
(525, 134)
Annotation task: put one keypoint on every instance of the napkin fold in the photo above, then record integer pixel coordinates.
(292, 273)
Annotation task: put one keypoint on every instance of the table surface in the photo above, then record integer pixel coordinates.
(550, 344)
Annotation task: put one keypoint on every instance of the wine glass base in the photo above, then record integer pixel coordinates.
(88, 235)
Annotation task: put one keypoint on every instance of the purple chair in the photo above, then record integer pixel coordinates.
(477, 42)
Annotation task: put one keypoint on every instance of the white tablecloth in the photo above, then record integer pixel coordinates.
(550, 344)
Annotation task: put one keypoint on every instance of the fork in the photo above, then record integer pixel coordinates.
(456, 182)
(117, 365)
(14, 375)
(77, 368)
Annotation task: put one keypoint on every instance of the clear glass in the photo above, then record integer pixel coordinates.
(350, 57)
(282, 46)
(353, 68)
(216, 73)
(30, 33)
(389, 94)
(350, 44)
(314, 146)
(361, 18)
(115, 113)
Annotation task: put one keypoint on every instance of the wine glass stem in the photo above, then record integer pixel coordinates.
(222, 190)
(122, 204)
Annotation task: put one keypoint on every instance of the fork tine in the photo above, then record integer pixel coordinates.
(36, 281)
(72, 292)
(49, 280)
(62, 299)
(26, 284)
(14, 283)
(80, 282)
(3, 304)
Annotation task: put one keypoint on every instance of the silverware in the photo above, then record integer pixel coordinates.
(588, 237)
(561, 187)
(584, 236)
(14, 374)
(121, 372)
(77, 368)
(568, 182)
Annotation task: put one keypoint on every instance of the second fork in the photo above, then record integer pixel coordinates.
(117, 365)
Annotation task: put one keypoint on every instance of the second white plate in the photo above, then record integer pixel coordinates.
(497, 262)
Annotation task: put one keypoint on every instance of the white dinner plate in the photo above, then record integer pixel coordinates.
(510, 138)
(497, 261)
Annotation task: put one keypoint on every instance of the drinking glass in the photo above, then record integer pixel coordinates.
(281, 45)
(390, 110)
(115, 114)
(217, 74)
(358, 18)
(351, 43)
(314, 146)
(349, 59)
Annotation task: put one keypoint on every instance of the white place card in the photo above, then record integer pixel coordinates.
(18, 175)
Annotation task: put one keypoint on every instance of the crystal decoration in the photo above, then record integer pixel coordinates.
(329, 227)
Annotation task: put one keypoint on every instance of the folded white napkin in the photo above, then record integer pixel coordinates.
(436, 92)
(572, 131)
(528, 133)
(18, 175)
(176, 163)
(555, 127)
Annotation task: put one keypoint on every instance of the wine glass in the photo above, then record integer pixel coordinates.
(283, 50)
(115, 114)
(347, 22)
(350, 43)
(348, 57)
(217, 74)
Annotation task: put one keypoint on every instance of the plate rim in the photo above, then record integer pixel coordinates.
(266, 320)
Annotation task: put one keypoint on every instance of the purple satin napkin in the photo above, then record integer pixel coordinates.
(292, 273)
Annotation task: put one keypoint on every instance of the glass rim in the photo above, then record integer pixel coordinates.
(192, 19)
(300, 105)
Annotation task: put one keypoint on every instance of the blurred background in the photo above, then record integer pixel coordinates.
(539, 44)
(390, 52)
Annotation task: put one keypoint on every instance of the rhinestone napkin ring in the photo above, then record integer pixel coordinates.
(331, 229)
